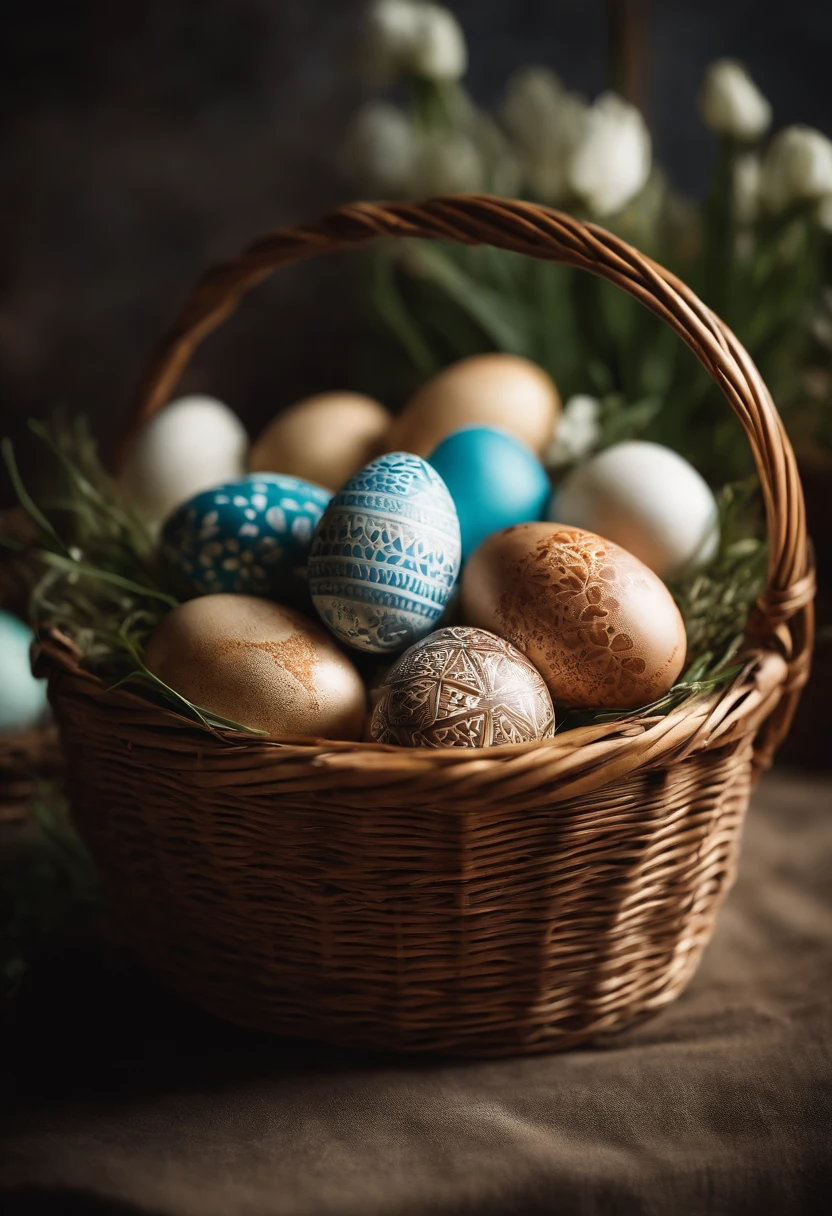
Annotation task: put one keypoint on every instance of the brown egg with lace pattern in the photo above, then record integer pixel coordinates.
(601, 628)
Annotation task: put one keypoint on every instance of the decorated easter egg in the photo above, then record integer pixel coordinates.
(647, 499)
(324, 439)
(492, 390)
(495, 481)
(192, 444)
(259, 664)
(601, 628)
(386, 554)
(22, 698)
(462, 687)
(247, 536)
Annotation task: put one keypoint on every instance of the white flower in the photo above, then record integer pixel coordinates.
(438, 51)
(390, 31)
(546, 122)
(731, 104)
(577, 432)
(797, 168)
(447, 163)
(747, 171)
(382, 148)
(414, 38)
(611, 161)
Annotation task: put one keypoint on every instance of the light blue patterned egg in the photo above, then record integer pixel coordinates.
(386, 555)
(22, 698)
(247, 536)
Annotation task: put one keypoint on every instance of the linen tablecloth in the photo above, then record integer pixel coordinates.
(123, 1100)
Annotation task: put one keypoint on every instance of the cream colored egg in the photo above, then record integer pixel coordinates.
(648, 499)
(191, 445)
(600, 627)
(259, 664)
(491, 390)
(324, 439)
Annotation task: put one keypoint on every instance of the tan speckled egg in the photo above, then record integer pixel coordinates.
(486, 390)
(259, 664)
(462, 687)
(600, 627)
(324, 439)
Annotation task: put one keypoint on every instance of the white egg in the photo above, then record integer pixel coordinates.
(191, 445)
(647, 499)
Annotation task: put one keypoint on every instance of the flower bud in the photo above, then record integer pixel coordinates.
(577, 432)
(414, 38)
(545, 122)
(438, 51)
(731, 104)
(797, 168)
(611, 161)
(381, 149)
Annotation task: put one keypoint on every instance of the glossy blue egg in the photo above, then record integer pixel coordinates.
(248, 536)
(386, 555)
(494, 480)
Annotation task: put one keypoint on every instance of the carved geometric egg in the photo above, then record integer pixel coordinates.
(600, 627)
(462, 687)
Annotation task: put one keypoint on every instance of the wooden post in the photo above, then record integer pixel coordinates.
(628, 50)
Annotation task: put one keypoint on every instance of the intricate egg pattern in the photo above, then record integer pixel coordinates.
(248, 536)
(463, 687)
(386, 554)
(600, 627)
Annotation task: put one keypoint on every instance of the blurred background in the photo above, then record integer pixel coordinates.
(140, 143)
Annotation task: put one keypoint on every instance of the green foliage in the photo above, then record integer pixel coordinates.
(99, 580)
(763, 274)
(46, 878)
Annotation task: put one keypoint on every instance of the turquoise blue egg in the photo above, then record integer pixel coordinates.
(494, 480)
(248, 536)
(22, 698)
(386, 555)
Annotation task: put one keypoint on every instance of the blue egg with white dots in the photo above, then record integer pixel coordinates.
(248, 536)
(386, 555)
(494, 479)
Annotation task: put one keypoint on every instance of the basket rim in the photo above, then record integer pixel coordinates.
(579, 760)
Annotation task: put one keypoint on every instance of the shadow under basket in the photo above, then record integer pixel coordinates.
(515, 900)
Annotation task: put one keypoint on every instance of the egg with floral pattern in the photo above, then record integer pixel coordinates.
(386, 555)
(248, 536)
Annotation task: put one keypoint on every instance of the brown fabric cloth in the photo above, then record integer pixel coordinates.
(124, 1101)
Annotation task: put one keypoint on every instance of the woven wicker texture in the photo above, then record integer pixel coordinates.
(523, 898)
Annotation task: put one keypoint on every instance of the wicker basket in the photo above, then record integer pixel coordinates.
(524, 899)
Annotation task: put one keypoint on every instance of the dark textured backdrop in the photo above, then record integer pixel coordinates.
(139, 142)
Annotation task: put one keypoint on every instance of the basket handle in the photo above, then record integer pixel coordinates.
(784, 612)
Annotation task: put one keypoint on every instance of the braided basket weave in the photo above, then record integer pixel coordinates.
(521, 899)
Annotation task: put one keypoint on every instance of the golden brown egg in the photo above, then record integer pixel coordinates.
(487, 390)
(259, 664)
(462, 687)
(600, 627)
(324, 439)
